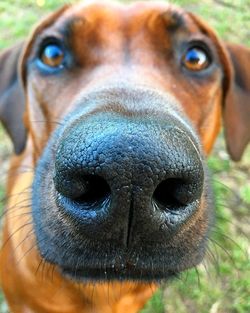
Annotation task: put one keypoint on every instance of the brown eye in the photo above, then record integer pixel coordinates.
(196, 59)
(52, 55)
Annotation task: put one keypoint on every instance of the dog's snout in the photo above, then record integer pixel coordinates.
(136, 176)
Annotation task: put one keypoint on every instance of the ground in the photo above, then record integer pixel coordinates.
(221, 284)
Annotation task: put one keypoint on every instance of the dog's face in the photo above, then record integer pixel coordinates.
(121, 191)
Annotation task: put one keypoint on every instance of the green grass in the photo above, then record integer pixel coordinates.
(222, 283)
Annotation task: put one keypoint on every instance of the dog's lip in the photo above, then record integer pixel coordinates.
(118, 273)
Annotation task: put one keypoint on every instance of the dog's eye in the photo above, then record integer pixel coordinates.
(52, 55)
(196, 59)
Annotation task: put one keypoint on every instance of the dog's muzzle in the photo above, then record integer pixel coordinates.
(120, 191)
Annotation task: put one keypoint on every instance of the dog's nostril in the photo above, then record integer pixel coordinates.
(95, 190)
(171, 194)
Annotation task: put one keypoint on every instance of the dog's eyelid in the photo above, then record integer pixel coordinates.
(204, 42)
(50, 40)
(51, 33)
(200, 43)
(203, 47)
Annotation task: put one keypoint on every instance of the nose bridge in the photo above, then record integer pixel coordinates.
(122, 82)
(125, 99)
(138, 102)
(132, 74)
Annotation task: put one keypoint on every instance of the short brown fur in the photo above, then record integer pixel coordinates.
(109, 42)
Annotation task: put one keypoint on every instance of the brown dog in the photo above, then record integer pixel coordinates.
(109, 192)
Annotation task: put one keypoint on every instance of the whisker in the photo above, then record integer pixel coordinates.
(198, 277)
(7, 198)
(216, 243)
(227, 238)
(31, 232)
(15, 207)
(16, 231)
(26, 253)
(47, 122)
(214, 259)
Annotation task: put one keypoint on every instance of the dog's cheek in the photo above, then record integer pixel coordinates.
(211, 123)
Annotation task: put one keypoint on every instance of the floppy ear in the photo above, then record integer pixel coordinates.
(237, 102)
(236, 86)
(12, 99)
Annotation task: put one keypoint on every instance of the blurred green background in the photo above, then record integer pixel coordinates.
(221, 284)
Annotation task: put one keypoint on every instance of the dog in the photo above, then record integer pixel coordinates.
(112, 110)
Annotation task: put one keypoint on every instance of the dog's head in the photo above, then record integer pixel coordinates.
(122, 105)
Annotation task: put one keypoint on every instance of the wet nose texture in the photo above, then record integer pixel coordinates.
(128, 180)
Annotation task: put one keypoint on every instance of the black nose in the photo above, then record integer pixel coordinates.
(128, 180)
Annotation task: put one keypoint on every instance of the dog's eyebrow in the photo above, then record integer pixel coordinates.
(70, 24)
(173, 19)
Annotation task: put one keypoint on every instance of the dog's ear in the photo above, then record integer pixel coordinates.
(12, 99)
(237, 102)
(235, 60)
